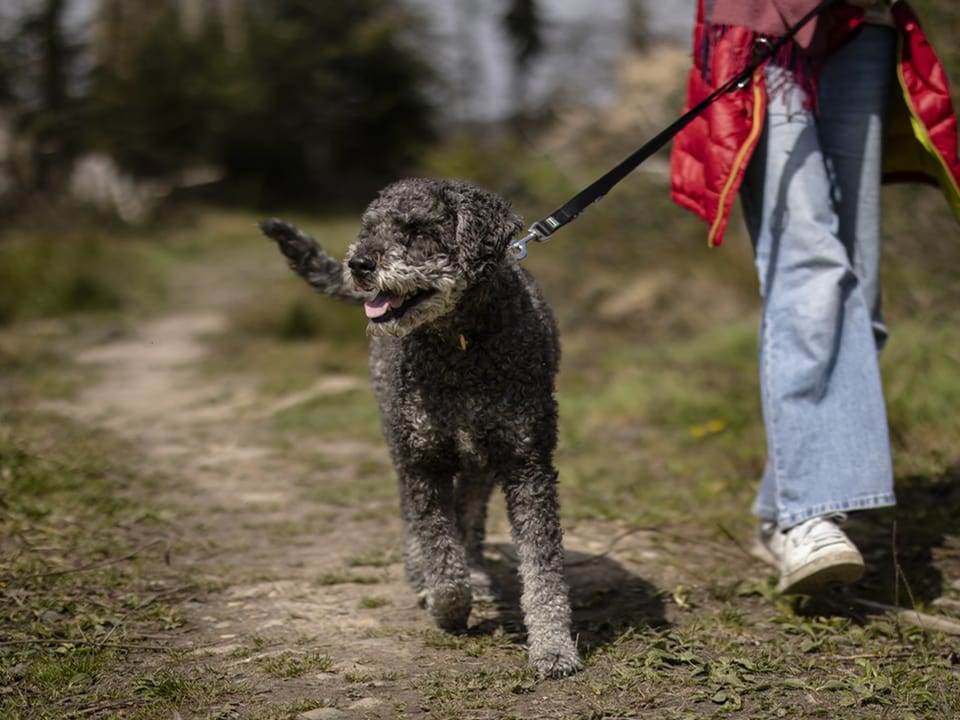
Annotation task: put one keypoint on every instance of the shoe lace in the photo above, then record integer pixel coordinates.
(822, 531)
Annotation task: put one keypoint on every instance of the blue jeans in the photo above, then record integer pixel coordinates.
(811, 198)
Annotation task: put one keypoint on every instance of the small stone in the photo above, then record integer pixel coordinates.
(50, 616)
(366, 704)
(323, 714)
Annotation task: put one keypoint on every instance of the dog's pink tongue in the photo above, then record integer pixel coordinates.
(381, 304)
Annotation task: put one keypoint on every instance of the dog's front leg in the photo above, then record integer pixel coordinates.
(535, 525)
(434, 548)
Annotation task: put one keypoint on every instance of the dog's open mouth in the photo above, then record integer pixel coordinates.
(385, 307)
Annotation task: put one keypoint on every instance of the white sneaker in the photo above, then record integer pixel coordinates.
(817, 556)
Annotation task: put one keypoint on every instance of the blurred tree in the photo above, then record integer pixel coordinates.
(49, 29)
(523, 27)
(295, 99)
(522, 23)
(8, 57)
(160, 100)
(47, 112)
(341, 105)
(638, 24)
(120, 28)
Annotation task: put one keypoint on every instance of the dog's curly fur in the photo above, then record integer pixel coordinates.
(463, 354)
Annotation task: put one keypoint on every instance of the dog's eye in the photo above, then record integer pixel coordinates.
(410, 228)
(419, 233)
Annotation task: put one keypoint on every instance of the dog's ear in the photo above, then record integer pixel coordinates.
(485, 227)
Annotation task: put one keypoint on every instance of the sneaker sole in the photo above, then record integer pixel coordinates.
(823, 574)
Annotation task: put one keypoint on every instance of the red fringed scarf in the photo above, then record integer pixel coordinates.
(769, 19)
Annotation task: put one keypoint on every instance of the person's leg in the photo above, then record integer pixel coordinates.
(821, 391)
(851, 137)
(752, 201)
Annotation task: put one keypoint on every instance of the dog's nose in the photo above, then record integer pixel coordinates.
(362, 264)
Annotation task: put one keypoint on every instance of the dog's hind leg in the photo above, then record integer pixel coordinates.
(412, 555)
(535, 524)
(473, 491)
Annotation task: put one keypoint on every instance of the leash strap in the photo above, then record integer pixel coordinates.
(542, 230)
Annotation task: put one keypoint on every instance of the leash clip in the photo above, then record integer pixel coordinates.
(536, 233)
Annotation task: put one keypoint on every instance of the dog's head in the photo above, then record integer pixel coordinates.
(422, 243)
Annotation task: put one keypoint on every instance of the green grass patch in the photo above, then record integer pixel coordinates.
(660, 433)
(350, 414)
(453, 693)
(344, 492)
(341, 578)
(371, 603)
(374, 558)
(921, 365)
(291, 665)
(78, 604)
(83, 272)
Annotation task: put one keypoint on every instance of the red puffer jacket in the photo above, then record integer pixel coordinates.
(710, 155)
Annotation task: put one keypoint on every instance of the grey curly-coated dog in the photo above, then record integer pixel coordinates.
(463, 355)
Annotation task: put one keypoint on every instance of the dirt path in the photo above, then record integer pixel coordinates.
(245, 531)
(297, 582)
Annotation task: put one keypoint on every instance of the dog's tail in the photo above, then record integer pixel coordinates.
(310, 261)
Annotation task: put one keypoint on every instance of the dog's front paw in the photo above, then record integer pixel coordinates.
(295, 244)
(449, 605)
(555, 660)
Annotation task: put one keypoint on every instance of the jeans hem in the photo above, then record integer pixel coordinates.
(785, 521)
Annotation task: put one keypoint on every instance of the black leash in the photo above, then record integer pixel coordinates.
(542, 230)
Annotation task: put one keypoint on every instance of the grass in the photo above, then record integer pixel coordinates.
(374, 558)
(660, 444)
(329, 415)
(82, 579)
(338, 578)
(659, 436)
(371, 603)
(292, 665)
(171, 687)
(75, 273)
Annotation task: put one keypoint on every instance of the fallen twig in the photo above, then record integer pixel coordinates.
(739, 545)
(84, 568)
(84, 643)
(107, 705)
(876, 656)
(915, 618)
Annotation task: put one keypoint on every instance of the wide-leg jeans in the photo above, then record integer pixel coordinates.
(811, 198)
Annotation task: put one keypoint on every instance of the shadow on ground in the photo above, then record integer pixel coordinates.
(607, 600)
(911, 551)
